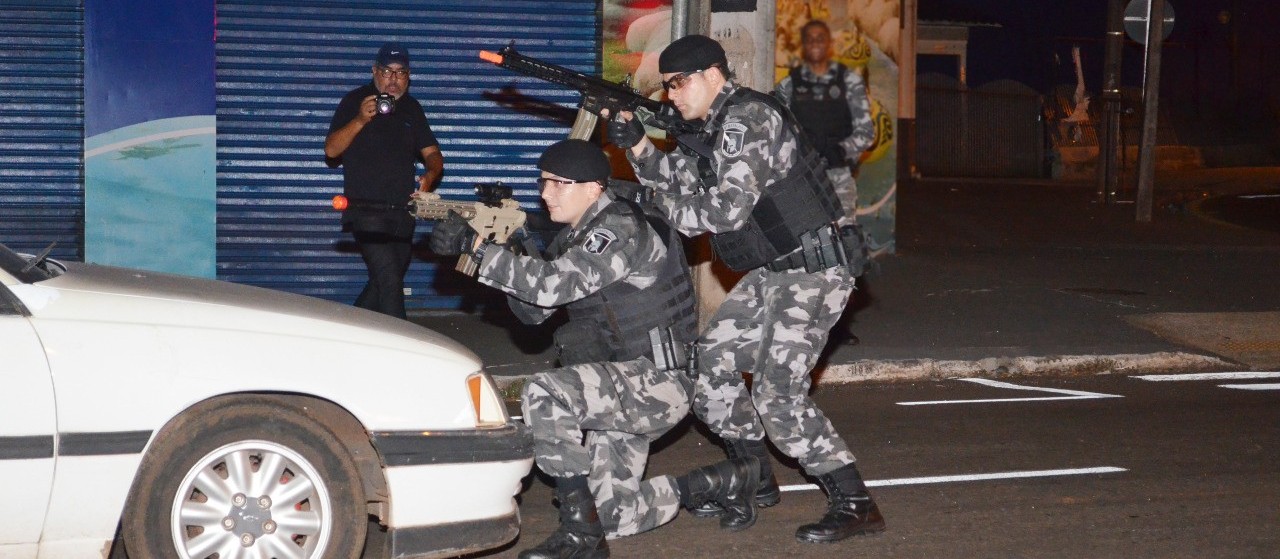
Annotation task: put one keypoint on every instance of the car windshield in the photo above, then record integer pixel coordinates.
(26, 268)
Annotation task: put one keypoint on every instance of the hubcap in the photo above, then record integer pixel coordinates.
(251, 499)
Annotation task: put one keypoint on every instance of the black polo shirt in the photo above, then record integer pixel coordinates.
(378, 166)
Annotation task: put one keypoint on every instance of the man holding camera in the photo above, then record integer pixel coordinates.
(378, 133)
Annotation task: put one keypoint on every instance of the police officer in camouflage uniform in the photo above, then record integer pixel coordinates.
(830, 103)
(624, 280)
(754, 183)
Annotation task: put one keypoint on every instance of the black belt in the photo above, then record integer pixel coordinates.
(820, 249)
(791, 261)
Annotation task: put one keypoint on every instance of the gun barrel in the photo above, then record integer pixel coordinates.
(594, 89)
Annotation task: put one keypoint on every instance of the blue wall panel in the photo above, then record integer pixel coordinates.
(42, 126)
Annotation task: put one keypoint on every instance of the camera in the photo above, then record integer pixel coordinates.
(385, 103)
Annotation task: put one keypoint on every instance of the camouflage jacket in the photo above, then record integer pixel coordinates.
(606, 247)
(855, 94)
(753, 148)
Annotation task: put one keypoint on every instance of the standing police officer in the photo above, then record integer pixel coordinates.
(763, 193)
(830, 103)
(624, 280)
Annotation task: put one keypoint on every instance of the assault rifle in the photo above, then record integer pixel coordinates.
(597, 94)
(495, 216)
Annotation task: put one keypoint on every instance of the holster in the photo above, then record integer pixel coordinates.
(691, 367)
(857, 253)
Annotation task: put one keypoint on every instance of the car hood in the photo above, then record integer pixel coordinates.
(112, 294)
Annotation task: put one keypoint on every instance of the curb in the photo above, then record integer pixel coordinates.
(1066, 365)
(935, 369)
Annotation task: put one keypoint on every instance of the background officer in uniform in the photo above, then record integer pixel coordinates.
(378, 152)
(624, 280)
(762, 192)
(830, 102)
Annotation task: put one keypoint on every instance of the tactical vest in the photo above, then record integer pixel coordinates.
(821, 109)
(803, 201)
(622, 322)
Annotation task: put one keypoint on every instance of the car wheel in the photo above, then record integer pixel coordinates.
(256, 479)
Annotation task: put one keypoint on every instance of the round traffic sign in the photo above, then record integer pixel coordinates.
(1135, 19)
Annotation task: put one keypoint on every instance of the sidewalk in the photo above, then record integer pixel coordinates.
(1007, 277)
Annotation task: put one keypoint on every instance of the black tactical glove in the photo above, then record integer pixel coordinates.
(633, 191)
(835, 156)
(625, 134)
(453, 235)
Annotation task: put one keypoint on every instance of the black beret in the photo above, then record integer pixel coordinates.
(691, 52)
(578, 160)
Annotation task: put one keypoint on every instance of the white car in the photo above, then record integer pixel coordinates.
(194, 418)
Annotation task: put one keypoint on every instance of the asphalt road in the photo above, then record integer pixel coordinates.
(1115, 466)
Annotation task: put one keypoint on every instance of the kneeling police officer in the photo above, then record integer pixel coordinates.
(622, 276)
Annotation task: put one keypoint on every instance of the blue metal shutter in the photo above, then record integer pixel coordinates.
(283, 65)
(42, 126)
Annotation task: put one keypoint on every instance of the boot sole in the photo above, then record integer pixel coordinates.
(762, 502)
(870, 531)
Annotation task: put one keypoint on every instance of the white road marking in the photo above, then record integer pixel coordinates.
(972, 477)
(1252, 386)
(1070, 394)
(1209, 376)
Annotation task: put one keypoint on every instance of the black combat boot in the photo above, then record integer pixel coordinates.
(850, 509)
(768, 495)
(732, 483)
(580, 535)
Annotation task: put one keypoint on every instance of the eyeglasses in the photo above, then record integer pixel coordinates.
(549, 183)
(389, 72)
(679, 80)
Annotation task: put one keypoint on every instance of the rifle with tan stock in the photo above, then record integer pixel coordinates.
(494, 216)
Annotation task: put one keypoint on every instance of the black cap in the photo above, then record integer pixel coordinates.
(577, 160)
(690, 53)
(392, 53)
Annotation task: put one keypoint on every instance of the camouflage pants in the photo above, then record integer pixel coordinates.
(773, 325)
(846, 190)
(598, 420)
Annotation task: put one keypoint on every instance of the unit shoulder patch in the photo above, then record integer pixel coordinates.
(598, 240)
(732, 138)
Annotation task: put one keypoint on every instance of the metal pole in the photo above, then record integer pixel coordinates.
(907, 93)
(1150, 108)
(1107, 171)
(679, 18)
